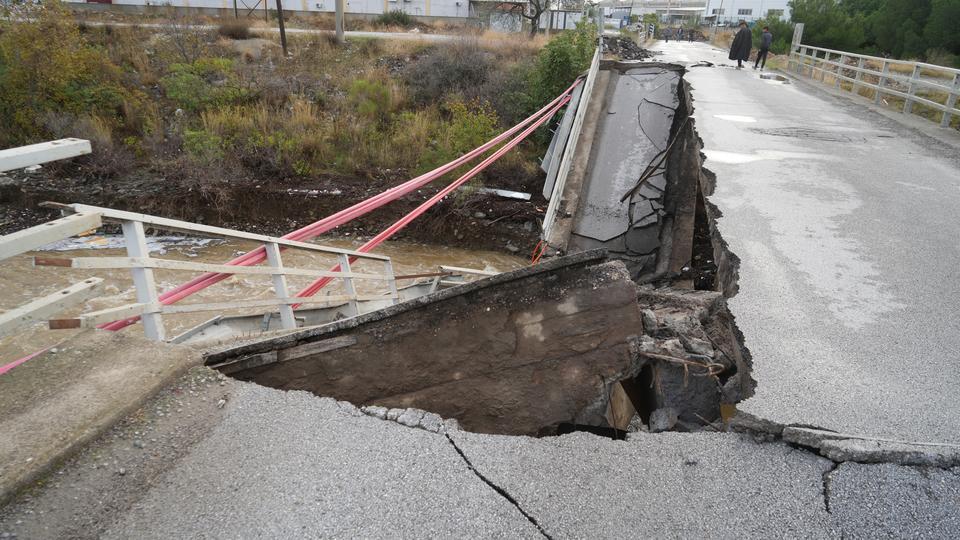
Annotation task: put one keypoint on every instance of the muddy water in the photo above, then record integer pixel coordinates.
(21, 282)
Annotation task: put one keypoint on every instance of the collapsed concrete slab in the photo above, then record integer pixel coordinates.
(520, 353)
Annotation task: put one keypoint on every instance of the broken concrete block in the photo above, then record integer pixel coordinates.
(636, 424)
(375, 410)
(697, 346)
(673, 347)
(410, 417)
(748, 423)
(875, 451)
(349, 408)
(812, 438)
(681, 323)
(431, 422)
(662, 420)
(451, 424)
(393, 414)
(649, 321)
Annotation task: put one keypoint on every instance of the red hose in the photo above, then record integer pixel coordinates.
(315, 229)
(318, 284)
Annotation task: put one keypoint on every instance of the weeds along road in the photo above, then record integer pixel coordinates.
(845, 221)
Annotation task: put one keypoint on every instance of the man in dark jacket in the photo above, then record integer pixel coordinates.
(742, 42)
(766, 38)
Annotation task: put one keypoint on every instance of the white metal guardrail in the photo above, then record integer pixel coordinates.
(141, 265)
(884, 76)
(571, 145)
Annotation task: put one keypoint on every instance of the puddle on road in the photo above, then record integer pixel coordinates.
(735, 158)
(22, 282)
(736, 118)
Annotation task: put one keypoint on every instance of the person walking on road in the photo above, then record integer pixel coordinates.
(742, 42)
(766, 39)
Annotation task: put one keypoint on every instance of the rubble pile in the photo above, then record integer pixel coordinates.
(625, 48)
(692, 358)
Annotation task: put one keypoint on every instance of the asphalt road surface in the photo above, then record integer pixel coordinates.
(847, 224)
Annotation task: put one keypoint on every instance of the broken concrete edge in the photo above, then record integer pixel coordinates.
(71, 446)
(221, 357)
(623, 65)
(409, 417)
(845, 447)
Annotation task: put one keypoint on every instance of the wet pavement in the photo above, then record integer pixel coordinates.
(845, 222)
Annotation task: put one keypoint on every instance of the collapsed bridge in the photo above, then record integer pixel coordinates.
(622, 325)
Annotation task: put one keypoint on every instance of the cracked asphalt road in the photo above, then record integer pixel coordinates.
(846, 225)
(276, 464)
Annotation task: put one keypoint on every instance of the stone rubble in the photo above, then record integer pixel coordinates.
(415, 418)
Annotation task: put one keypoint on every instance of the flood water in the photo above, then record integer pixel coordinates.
(21, 282)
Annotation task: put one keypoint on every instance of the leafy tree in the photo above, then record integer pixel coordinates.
(942, 30)
(827, 24)
(897, 27)
(782, 34)
(47, 68)
(561, 61)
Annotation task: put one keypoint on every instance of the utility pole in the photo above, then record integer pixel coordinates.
(716, 22)
(236, 14)
(283, 31)
(549, 19)
(339, 21)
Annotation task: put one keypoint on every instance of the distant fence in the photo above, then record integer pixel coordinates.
(915, 83)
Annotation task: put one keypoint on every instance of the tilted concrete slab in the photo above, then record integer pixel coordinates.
(521, 353)
(845, 223)
(55, 403)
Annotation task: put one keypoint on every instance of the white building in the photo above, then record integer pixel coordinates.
(733, 11)
(668, 11)
(426, 9)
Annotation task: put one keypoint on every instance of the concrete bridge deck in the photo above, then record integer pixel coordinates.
(846, 225)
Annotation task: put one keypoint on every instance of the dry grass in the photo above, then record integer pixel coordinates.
(905, 69)
(894, 102)
(722, 39)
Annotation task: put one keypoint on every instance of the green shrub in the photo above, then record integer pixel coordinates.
(782, 34)
(395, 18)
(370, 99)
(204, 83)
(235, 29)
(457, 68)
(561, 61)
(203, 146)
(469, 126)
(38, 78)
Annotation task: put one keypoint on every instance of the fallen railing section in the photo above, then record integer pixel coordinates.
(45, 152)
(141, 265)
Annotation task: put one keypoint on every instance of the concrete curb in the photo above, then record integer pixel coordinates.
(844, 447)
(48, 428)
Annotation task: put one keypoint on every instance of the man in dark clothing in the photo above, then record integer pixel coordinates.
(766, 38)
(742, 42)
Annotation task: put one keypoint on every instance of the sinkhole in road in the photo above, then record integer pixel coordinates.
(583, 342)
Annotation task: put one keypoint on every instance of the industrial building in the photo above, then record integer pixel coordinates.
(733, 11)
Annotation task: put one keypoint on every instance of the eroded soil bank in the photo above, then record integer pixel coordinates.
(469, 220)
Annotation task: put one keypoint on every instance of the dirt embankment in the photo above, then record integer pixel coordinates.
(467, 219)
